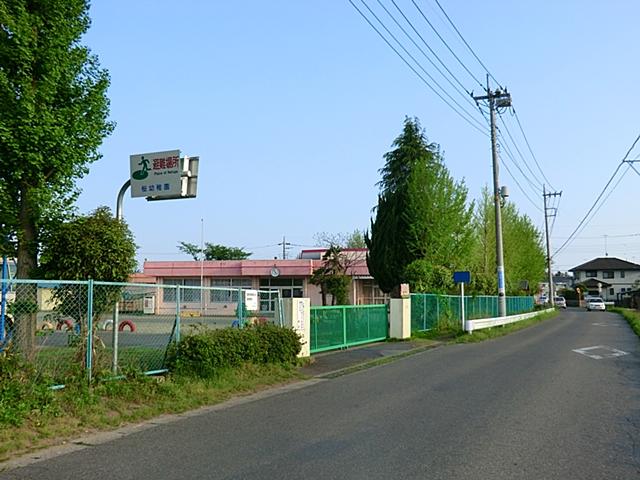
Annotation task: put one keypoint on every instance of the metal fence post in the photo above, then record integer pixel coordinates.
(114, 338)
(240, 308)
(177, 329)
(89, 358)
(344, 326)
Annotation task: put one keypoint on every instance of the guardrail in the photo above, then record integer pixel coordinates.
(479, 324)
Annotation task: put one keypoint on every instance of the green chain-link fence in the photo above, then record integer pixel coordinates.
(98, 328)
(429, 310)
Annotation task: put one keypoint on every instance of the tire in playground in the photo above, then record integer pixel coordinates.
(67, 323)
(127, 323)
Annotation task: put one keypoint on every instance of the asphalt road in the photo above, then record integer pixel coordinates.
(524, 406)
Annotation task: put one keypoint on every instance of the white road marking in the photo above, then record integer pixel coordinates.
(605, 352)
(603, 324)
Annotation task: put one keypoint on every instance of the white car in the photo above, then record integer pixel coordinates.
(595, 303)
(560, 302)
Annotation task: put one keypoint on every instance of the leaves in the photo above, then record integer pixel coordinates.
(213, 252)
(422, 215)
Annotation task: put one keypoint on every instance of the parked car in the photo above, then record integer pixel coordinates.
(560, 302)
(595, 303)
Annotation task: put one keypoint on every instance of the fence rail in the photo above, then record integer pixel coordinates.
(63, 327)
(429, 310)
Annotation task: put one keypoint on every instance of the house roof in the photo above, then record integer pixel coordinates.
(606, 263)
(595, 283)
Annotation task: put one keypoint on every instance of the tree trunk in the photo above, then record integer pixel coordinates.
(26, 303)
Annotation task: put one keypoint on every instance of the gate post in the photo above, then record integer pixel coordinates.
(400, 318)
(297, 315)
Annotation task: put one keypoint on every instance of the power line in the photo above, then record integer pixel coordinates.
(535, 188)
(468, 93)
(412, 57)
(599, 197)
(470, 122)
(465, 42)
(447, 45)
(526, 140)
(526, 164)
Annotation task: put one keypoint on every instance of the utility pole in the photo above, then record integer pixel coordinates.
(497, 99)
(285, 247)
(546, 195)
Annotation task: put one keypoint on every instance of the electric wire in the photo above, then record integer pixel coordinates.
(524, 160)
(468, 93)
(526, 141)
(504, 164)
(536, 206)
(446, 44)
(470, 122)
(584, 219)
(414, 59)
(465, 42)
(535, 188)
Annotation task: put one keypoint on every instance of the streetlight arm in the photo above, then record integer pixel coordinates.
(120, 199)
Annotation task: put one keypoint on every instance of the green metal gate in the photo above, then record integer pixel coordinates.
(347, 325)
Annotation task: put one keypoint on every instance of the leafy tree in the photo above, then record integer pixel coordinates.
(332, 276)
(191, 249)
(102, 248)
(524, 254)
(422, 215)
(354, 239)
(53, 115)
(213, 252)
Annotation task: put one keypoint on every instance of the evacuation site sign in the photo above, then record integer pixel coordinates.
(156, 174)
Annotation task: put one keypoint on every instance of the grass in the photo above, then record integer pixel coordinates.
(631, 316)
(445, 332)
(78, 409)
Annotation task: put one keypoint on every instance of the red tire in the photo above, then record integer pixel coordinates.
(127, 323)
(67, 323)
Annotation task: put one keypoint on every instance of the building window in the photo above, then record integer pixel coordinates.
(608, 274)
(371, 293)
(591, 273)
(288, 288)
(577, 275)
(622, 290)
(611, 291)
(228, 292)
(190, 295)
(621, 274)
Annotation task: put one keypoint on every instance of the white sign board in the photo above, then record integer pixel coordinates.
(251, 300)
(156, 174)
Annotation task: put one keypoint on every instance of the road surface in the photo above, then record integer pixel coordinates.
(541, 403)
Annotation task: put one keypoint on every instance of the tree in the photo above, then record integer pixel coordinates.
(422, 215)
(354, 239)
(53, 115)
(96, 246)
(213, 252)
(524, 254)
(332, 276)
(102, 249)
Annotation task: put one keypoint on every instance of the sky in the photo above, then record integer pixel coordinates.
(291, 105)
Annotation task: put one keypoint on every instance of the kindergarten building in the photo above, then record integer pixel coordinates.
(290, 277)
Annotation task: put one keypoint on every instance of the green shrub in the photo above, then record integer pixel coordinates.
(207, 351)
(23, 393)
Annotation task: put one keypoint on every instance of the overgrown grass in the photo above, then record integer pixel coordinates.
(631, 316)
(447, 332)
(78, 409)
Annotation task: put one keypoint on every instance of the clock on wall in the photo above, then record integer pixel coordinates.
(275, 272)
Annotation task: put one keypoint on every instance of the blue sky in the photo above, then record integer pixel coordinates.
(292, 104)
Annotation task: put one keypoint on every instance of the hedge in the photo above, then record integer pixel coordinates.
(207, 351)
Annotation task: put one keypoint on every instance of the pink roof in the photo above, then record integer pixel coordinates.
(240, 268)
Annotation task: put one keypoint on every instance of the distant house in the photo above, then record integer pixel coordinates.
(607, 277)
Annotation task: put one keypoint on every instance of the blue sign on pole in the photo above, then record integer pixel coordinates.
(461, 277)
